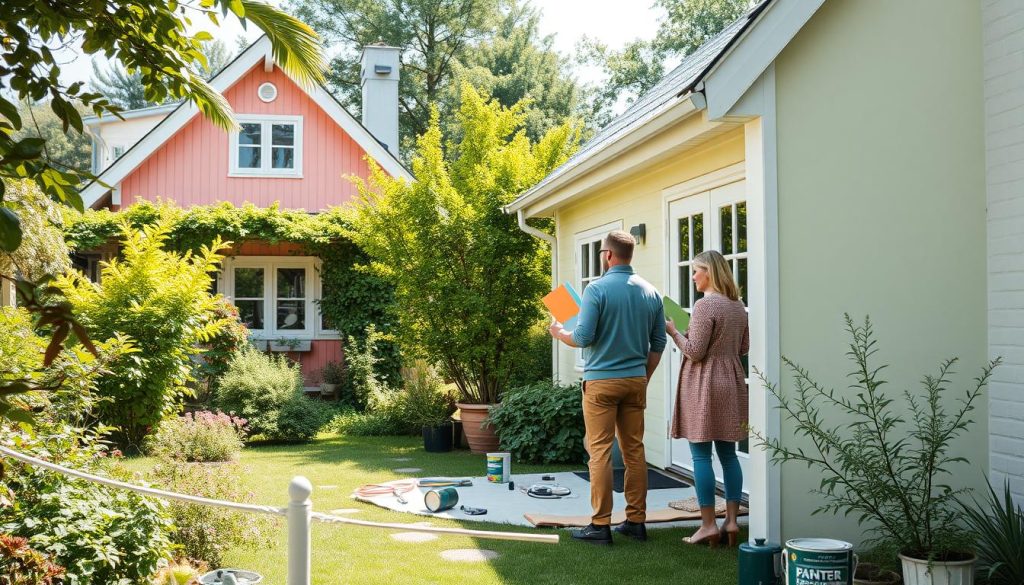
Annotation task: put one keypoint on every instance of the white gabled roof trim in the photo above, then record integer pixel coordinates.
(228, 76)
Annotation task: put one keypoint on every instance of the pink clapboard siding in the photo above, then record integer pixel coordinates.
(191, 168)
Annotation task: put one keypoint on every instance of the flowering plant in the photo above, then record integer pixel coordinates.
(199, 436)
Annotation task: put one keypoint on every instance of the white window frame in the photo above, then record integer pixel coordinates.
(579, 239)
(270, 264)
(266, 148)
(321, 332)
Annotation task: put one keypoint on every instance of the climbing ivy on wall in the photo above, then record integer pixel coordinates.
(353, 297)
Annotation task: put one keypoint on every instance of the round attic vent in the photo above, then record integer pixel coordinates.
(267, 92)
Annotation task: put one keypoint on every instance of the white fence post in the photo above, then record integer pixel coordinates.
(300, 517)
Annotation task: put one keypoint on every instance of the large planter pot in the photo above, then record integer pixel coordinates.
(481, 440)
(921, 572)
(438, 439)
(869, 574)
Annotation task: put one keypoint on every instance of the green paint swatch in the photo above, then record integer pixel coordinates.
(676, 313)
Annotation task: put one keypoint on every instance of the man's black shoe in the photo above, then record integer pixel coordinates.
(594, 534)
(634, 530)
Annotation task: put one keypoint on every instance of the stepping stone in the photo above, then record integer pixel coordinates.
(415, 537)
(408, 470)
(401, 458)
(469, 555)
(326, 487)
(343, 511)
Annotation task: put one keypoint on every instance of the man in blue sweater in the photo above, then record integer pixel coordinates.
(621, 327)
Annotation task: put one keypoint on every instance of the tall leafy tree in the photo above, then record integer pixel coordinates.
(516, 63)
(433, 35)
(639, 65)
(493, 44)
(68, 150)
(127, 90)
(466, 278)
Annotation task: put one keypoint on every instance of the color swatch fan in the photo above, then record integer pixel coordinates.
(563, 303)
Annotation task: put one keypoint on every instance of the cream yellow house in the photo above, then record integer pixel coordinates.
(834, 151)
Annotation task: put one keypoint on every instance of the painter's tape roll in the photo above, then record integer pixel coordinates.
(499, 467)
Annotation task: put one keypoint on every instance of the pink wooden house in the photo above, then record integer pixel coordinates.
(295, 146)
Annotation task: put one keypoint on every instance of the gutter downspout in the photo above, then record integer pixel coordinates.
(553, 242)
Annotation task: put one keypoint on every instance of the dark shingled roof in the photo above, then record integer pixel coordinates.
(676, 83)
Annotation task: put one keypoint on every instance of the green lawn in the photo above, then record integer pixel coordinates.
(357, 555)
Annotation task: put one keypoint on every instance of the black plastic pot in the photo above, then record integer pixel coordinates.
(438, 439)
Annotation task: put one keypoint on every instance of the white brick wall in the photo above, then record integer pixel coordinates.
(1003, 37)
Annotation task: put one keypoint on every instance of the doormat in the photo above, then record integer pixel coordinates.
(655, 480)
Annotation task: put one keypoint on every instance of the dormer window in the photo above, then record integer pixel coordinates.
(267, 146)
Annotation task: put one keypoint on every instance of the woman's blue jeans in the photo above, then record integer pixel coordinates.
(704, 474)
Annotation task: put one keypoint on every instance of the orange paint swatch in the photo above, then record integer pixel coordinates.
(561, 303)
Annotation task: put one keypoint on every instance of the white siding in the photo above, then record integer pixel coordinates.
(1003, 37)
(121, 133)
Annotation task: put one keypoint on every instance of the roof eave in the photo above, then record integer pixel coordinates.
(681, 109)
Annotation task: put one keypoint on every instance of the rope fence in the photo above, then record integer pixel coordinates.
(299, 513)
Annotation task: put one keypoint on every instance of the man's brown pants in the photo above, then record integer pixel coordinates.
(610, 406)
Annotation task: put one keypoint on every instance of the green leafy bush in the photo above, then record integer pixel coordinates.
(100, 535)
(300, 419)
(160, 300)
(361, 378)
(999, 536)
(204, 533)
(541, 423)
(256, 386)
(200, 436)
(886, 468)
(266, 390)
(21, 565)
(219, 349)
(428, 403)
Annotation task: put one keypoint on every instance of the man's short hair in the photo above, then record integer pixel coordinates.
(621, 244)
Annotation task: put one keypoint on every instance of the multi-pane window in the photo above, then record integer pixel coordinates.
(733, 242)
(269, 146)
(291, 298)
(691, 243)
(250, 296)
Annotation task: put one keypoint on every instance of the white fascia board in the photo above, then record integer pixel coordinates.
(228, 76)
(742, 65)
(693, 102)
(129, 114)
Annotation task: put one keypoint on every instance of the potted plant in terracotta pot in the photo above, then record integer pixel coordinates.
(886, 459)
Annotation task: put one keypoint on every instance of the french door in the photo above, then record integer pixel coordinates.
(715, 219)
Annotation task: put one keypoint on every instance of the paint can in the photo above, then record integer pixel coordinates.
(819, 561)
(499, 467)
(441, 499)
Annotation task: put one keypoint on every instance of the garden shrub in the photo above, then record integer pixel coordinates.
(21, 565)
(99, 535)
(160, 300)
(301, 418)
(266, 390)
(256, 386)
(220, 348)
(204, 533)
(541, 423)
(428, 402)
(200, 436)
(424, 401)
(361, 378)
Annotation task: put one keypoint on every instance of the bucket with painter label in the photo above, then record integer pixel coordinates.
(499, 467)
(441, 499)
(819, 561)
